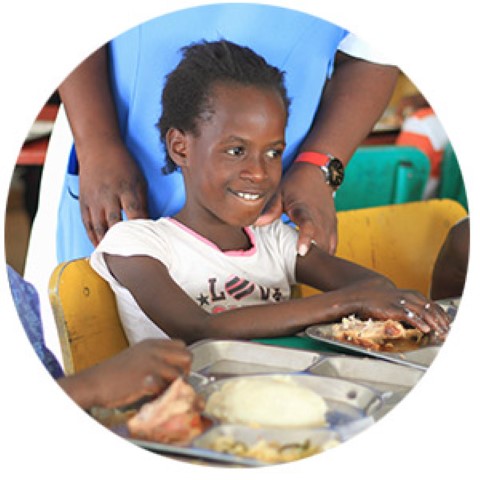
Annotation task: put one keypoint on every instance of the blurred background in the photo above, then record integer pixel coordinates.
(384, 170)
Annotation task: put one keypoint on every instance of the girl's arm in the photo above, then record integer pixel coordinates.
(168, 306)
(144, 369)
(376, 296)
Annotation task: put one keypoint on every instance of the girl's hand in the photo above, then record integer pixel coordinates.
(404, 305)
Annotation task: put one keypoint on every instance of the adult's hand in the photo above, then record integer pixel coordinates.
(307, 199)
(110, 181)
(144, 369)
(357, 86)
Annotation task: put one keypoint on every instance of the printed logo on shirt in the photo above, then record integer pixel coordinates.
(237, 289)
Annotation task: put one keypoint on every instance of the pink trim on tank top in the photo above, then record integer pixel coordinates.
(232, 253)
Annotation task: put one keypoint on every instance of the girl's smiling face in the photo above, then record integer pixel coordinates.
(232, 166)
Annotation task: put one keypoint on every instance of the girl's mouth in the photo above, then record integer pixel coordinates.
(248, 196)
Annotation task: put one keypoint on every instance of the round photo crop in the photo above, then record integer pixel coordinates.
(237, 235)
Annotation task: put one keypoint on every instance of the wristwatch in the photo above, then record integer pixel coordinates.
(331, 166)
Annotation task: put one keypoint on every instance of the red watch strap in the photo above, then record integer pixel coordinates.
(315, 158)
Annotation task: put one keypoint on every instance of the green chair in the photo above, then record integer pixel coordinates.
(383, 175)
(451, 180)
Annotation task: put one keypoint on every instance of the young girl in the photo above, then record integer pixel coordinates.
(224, 112)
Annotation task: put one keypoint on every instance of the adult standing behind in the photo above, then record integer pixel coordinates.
(116, 141)
(113, 169)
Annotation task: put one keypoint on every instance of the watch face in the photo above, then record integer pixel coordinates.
(335, 172)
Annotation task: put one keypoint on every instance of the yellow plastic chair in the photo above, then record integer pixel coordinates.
(400, 241)
(86, 315)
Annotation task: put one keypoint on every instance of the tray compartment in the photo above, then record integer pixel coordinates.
(225, 358)
(320, 439)
(382, 375)
(347, 401)
(197, 454)
(394, 381)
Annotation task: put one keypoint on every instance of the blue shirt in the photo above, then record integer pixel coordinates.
(301, 45)
(25, 298)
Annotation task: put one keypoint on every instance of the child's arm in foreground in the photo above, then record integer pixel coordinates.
(144, 369)
(350, 289)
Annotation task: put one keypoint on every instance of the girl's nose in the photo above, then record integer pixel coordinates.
(254, 169)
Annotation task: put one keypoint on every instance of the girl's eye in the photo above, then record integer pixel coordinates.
(236, 151)
(274, 153)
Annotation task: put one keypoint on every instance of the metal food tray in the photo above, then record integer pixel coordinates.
(225, 358)
(352, 407)
(450, 305)
(420, 358)
(196, 453)
(357, 390)
(394, 381)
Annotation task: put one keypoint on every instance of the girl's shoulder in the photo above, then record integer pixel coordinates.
(138, 226)
(277, 236)
(135, 232)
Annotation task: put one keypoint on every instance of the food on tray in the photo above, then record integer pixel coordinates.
(385, 335)
(269, 451)
(174, 417)
(112, 417)
(267, 402)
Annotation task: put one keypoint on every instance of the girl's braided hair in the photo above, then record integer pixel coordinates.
(187, 95)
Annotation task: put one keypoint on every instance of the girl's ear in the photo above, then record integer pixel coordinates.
(176, 143)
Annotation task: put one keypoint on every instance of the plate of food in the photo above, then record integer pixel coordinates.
(250, 420)
(386, 339)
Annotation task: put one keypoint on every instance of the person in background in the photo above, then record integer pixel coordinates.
(223, 126)
(450, 270)
(142, 370)
(421, 128)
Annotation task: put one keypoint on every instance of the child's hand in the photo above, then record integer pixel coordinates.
(144, 369)
(404, 305)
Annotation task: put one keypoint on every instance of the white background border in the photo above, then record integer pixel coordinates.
(433, 432)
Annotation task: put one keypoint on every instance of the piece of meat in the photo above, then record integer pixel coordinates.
(174, 417)
(374, 335)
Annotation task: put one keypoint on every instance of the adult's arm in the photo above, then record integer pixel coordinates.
(353, 100)
(110, 180)
(450, 270)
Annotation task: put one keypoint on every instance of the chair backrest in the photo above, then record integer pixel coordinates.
(383, 175)
(86, 315)
(399, 241)
(451, 179)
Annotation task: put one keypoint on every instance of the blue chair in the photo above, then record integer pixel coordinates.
(383, 175)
